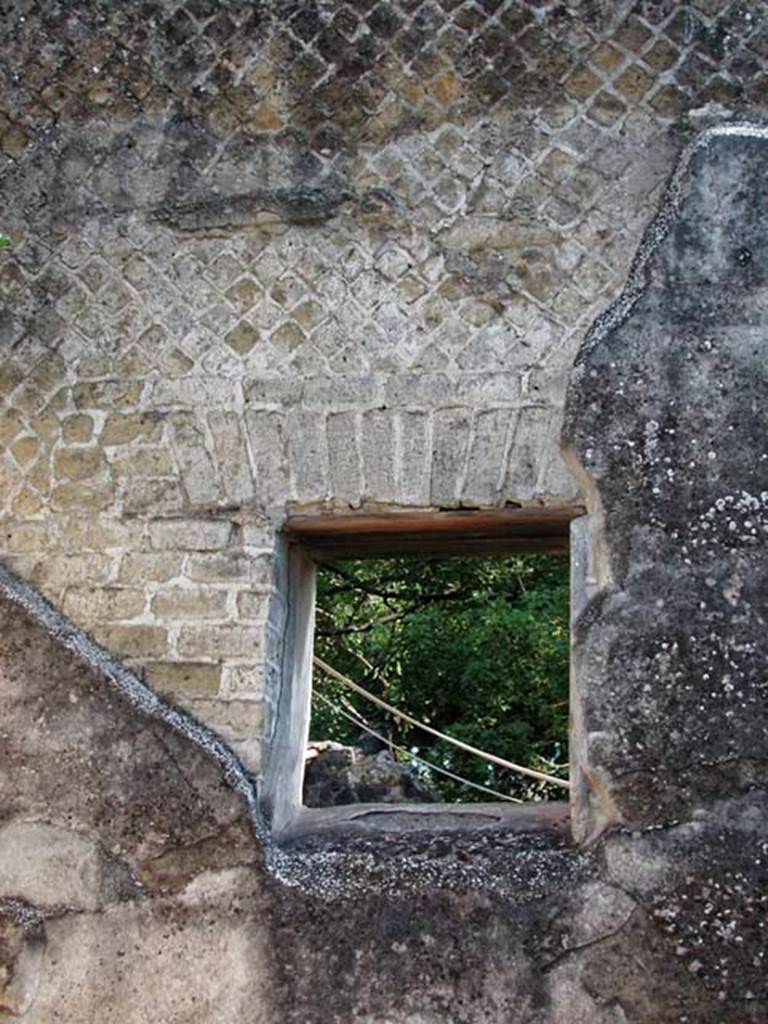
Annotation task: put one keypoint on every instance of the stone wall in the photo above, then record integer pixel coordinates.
(138, 880)
(271, 256)
(275, 257)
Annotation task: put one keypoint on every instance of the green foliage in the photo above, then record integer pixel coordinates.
(5, 241)
(475, 647)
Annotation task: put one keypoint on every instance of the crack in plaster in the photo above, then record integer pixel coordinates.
(571, 951)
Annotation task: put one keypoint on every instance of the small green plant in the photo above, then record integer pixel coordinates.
(4, 241)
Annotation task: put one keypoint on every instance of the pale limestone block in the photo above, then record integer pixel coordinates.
(104, 604)
(95, 533)
(178, 604)
(415, 458)
(192, 393)
(196, 679)
(231, 456)
(234, 720)
(66, 570)
(555, 480)
(76, 495)
(219, 641)
(529, 442)
(337, 391)
(230, 566)
(379, 455)
(252, 605)
(25, 536)
(243, 681)
(487, 452)
(198, 474)
(479, 389)
(272, 391)
(308, 453)
(143, 462)
(482, 233)
(449, 454)
(190, 534)
(344, 457)
(258, 535)
(152, 495)
(140, 566)
(422, 390)
(547, 385)
(267, 440)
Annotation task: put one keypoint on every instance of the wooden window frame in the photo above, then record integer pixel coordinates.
(307, 540)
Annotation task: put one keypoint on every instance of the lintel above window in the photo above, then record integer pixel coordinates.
(459, 532)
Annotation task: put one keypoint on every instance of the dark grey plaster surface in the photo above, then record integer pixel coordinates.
(666, 417)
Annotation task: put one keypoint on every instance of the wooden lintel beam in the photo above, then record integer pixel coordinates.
(431, 533)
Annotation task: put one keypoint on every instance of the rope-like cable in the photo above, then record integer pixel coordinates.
(414, 757)
(493, 758)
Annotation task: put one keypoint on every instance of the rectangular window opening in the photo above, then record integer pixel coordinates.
(458, 621)
(471, 653)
